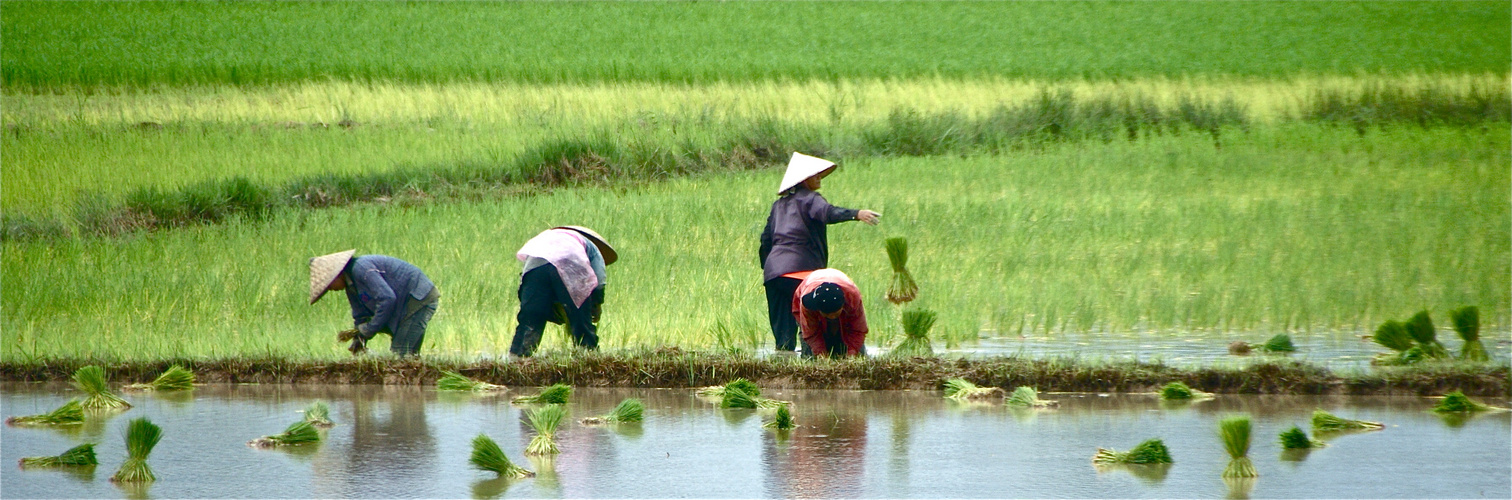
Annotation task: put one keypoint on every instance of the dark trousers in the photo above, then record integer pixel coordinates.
(779, 292)
(412, 331)
(541, 291)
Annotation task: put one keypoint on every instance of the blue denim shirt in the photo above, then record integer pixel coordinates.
(379, 287)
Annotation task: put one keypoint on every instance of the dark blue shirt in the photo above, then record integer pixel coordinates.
(379, 287)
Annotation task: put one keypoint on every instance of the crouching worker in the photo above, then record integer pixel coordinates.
(563, 274)
(387, 295)
(827, 307)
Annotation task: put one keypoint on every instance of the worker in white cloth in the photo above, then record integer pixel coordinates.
(794, 242)
(563, 267)
(387, 295)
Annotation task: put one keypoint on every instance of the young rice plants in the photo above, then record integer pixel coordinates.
(486, 455)
(556, 394)
(717, 391)
(1235, 432)
(735, 397)
(71, 413)
(1152, 451)
(1178, 391)
(903, 288)
(319, 415)
(916, 325)
(1323, 421)
(453, 381)
(629, 410)
(1279, 343)
(545, 421)
(141, 436)
(175, 378)
(1457, 402)
(961, 389)
(91, 380)
(297, 434)
(1466, 322)
(1026, 397)
(83, 454)
(1295, 439)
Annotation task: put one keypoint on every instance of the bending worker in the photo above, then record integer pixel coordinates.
(563, 267)
(794, 241)
(387, 295)
(827, 306)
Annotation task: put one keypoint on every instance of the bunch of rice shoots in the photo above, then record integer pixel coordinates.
(1466, 322)
(486, 455)
(544, 421)
(1457, 401)
(83, 454)
(453, 381)
(1420, 327)
(319, 415)
(735, 397)
(175, 378)
(1178, 391)
(71, 413)
(1393, 335)
(903, 288)
(1325, 421)
(298, 433)
(1026, 397)
(1152, 451)
(141, 436)
(1279, 343)
(1235, 432)
(629, 410)
(961, 389)
(556, 394)
(91, 380)
(783, 421)
(916, 325)
(1294, 439)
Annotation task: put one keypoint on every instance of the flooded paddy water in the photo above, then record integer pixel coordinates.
(405, 441)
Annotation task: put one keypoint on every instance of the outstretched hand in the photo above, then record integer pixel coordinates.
(868, 217)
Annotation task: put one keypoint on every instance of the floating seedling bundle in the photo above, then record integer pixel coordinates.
(1235, 432)
(735, 397)
(175, 378)
(783, 421)
(1152, 451)
(1466, 322)
(1295, 439)
(81, 455)
(297, 434)
(544, 421)
(1414, 340)
(91, 380)
(486, 455)
(1323, 421)
(903, 288)
(1026, 397)
(629, 410)
(916, 325)
(962, 389)
(318, 415)
(71, 413)
(718, 391)
(141, 436)
(1178, 391)
(453, 381)
(1279, 343)
(557, 394)
(1457, 402)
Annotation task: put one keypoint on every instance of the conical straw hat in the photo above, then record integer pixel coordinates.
(801, 167)
(603, 245)
(324, 270)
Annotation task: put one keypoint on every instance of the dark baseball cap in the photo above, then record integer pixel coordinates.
(825, 298)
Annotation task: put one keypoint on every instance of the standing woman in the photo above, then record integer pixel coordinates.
(794, 241)
(562, 267)
(387, 295)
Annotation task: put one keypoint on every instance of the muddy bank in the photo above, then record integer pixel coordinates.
(672, 368)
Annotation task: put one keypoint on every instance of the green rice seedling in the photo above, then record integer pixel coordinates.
(1393, 335)
(1323, 421)
(1466, 322)
(1152, 451)
(486, 455)
(1178, 391)
(91, 380)
(141, 436)
(71, 413)
(1026, 397)
(1294, 438)
(916, 325)
(902, 289)
(1235, 432)
(629, 410)
(1456, 402)
(962, 389)
(544, 421)
(297, 434)
(783, 421)
(319, 415)
(1420, 327)
(175, 378)
(1279, 343)
(556, 394)
(83, 454)
(453, 381)
(718, 391)
(735, 397)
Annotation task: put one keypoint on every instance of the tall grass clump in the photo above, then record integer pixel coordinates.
(175, 378)
(544, 421)
(1294, 439)
(916, 325)
(318, 414)
(486, 455)
(1026, 397)
(902, 289)
(297, 434)
(71, 413)
(1235, 432)
(1381, 105)
(1151, 451)
(962, 389)
(782, 421)
(453, 381)
(1458, 402)
(1323, 421)
(141, 436)
(81, 455)
(91, 379)
(629, 410)
(556, 394)
(1466, 321)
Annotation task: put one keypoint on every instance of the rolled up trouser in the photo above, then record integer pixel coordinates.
(540, 289)
(779, 292)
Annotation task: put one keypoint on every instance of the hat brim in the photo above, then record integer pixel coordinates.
(801, 167)
(604, 248)
(324, 270)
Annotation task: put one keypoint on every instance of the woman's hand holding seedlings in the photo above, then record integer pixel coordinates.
(868, 216)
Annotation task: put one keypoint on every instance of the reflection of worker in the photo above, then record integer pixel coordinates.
(387, 295)
(827, 461)
(827, 307)
(563, 267)
(794, 240)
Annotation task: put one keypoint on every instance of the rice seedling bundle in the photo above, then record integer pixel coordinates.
(783, 421)
(1420, 327)
(319, 415)
(486, 455)
(735, 397)
(1393, 335)
(1294, 438)
(1457, 401)
(71, 413)
(298, 433)
(962, 389)
(1152, 451)
(91, 380)
(629, 410)
(544, 421)
(1235, 432)
(453, 381)
(916, 326)
(556, 394)
(83, 454)
(1178, 391)
(718, 391)
(1466, 322)
(1324, 421)
(902, 289)
(141, 436)
(175, 378)
(1279, 343)
(1026, 397)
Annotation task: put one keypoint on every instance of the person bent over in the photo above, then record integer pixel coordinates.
(827, 307)
(562, 280)
(387, 295)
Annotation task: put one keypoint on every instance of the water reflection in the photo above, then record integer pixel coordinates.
(390, 442)
(1239, 488)
(1150, 474)
(491, 488)
(824, 458)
